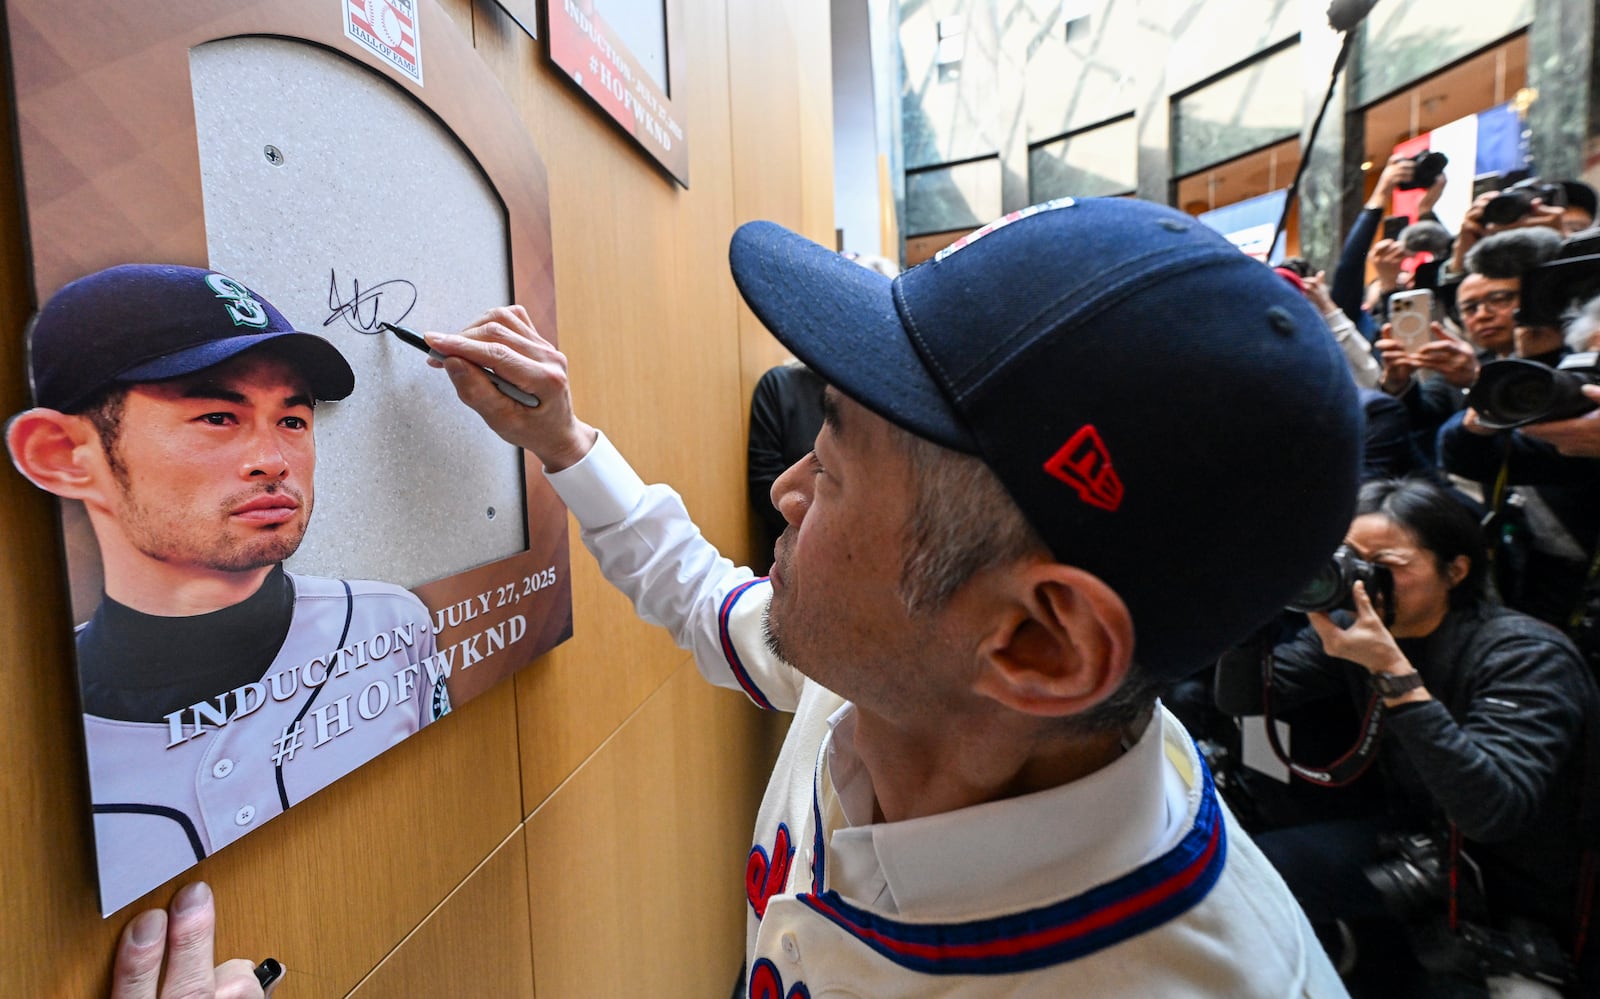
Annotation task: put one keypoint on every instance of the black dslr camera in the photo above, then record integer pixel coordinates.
(1413, 880)
(1428, 168)
(1414, 876)
(1332, 588)
(1513, 392)
(1517, 200)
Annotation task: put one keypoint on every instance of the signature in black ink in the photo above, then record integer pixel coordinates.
(361, 311)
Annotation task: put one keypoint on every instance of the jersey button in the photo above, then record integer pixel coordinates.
(245, 815)
(222, 769)
(791, 947)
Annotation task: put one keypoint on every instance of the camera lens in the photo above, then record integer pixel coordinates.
(1513, 392)
(1325, 591)
(1524, 394)
(1329, 589)
(1404, 887)
(1332, 588)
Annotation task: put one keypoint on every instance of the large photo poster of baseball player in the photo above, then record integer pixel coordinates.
(288, 547)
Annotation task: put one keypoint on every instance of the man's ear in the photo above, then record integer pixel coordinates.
(1063, 643)
(53, 450)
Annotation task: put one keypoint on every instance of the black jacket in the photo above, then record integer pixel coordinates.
(1500, 751)
(785, 418)
(1569, 487)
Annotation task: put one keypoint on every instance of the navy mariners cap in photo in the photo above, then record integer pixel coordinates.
(1169, 414)
(151, 322)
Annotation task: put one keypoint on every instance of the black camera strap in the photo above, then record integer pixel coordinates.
(1341, 771)
(1455, 879)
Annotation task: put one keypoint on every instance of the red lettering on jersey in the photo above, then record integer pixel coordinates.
(764, 877)
(1084, 464)
(767, 983)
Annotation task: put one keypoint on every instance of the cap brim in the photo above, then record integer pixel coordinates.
(840, 319)
(326, 370)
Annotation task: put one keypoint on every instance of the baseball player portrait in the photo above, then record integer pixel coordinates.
(218, 689)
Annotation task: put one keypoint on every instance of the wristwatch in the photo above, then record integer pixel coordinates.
(1394, 684)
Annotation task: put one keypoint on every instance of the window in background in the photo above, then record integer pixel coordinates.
(1096, 161)
(952, 195)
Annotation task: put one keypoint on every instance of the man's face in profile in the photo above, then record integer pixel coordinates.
(214, 470)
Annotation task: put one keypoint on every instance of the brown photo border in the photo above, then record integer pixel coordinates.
(111, 174)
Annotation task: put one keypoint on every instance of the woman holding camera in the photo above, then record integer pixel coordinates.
(1485, 715)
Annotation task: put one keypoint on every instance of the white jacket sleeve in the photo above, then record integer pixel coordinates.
(1364, 368)
(650, 550)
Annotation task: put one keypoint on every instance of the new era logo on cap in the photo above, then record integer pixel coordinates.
(1084, 464)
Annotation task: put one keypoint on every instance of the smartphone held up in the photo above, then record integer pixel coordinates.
(1411, 318)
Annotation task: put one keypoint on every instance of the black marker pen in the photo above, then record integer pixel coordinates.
(415, 339)
(268, 971)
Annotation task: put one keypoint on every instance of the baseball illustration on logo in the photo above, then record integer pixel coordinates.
(386, 23)
(389, 30)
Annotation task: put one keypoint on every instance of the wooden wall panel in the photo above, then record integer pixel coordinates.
(780, 52)
(648, 324)
(617, 907)
(479, 934)
(602, 801)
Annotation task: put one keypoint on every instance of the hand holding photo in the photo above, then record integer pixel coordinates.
(415, 339)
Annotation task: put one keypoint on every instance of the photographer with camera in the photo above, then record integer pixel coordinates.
(1489, 297)
(1545, 505)
(1348, 285)
(1481, 716)
(1547, 502)
(1577, 436)
(1563, 207)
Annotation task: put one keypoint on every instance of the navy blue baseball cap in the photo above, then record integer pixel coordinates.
(1169, 414)
(150, 322)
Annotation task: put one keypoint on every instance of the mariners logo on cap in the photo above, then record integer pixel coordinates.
(1002, 222)
(242, 306)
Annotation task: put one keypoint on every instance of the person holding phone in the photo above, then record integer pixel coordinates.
(1426, 367)
(1348, 284)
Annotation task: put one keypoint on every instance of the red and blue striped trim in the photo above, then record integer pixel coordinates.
(730, 653)
(819, 850)
(1104, 916)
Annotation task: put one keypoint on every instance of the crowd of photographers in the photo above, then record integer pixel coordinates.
(1439, 679)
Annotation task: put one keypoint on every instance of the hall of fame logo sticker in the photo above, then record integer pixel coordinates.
(388, 29)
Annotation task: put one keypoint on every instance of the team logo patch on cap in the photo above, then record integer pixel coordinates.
(1001, 223)
(242, 306)
(1084, 464)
